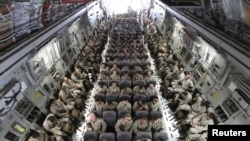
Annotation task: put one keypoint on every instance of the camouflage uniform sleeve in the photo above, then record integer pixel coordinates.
(119, 105)
(131, 128)
(135, 130)
(117, 126)
(104, 125)
(148, 129)
(135, 106)
(108, 90)
(129, 106)
(118, 90)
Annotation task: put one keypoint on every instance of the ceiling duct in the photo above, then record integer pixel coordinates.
(75, 1)
(183, 3)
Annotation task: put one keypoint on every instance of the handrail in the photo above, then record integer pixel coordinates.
(230, 47)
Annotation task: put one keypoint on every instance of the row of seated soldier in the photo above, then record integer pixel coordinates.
(126, 72)
(66, 109)
(140, 87)
(187, 104)
(126, 103)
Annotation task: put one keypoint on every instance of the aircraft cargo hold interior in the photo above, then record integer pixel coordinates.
(109, 70)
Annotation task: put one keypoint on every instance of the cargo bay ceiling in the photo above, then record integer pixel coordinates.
(21, 20)
(21, 17)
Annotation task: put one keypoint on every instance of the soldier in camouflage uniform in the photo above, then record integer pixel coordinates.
(124, 124)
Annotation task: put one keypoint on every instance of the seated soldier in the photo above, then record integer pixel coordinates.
(174, 70)
(125, 52)
(139, 90)
(154, 104)
(199, 125)
(75, 77)
(135, 54)
(58, 138)
(117, 53)
(113, 89)
(125, 68)
(54, 125)
(79, 72)
(137, 76)
(149, 76)
(141, 125)
(116, 60)
(180, 76)
(151, 90)
(107, 58)
(123, 55)
(38, 135)
(103, 67)
(156, 124)
(186, 123)
(183, 97)
(147, 67)
(164, 71)
(124, 104)
(115, 75)
(144, 53)
(124, 124)
(125, 76)
(110, 105)
(75, 87)
(126, 91)
(145, 59)
(137, 68)
(174, 103)
(124, 61)
(96, 124)
(103, 76)
(140, 105)
(101, 88)
(135, 60)
(115, 67)
(60, 109)
(186, 85)
(99, 104)
(80, 65)
(200, 106)
(66, 96)
(69, 87)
